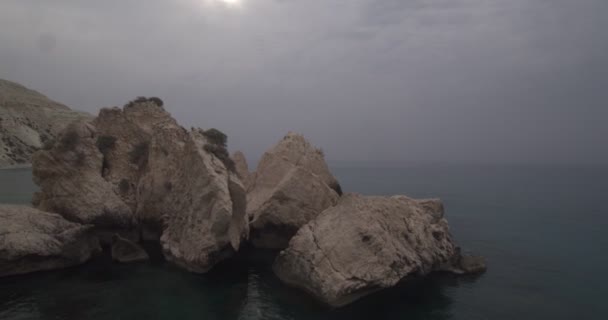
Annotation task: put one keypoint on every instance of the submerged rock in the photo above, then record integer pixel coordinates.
(126, 251)
(465, 264)
(291, 186)
(365, 244)
(32, 240)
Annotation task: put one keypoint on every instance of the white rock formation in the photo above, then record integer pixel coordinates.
(365, 244)
(199, 202)
(291, 186)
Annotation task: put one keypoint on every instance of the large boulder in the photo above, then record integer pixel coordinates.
(291, 186)
(32, 240)
(465, 264)
(365, 244)
(298, 198)
(136, 168)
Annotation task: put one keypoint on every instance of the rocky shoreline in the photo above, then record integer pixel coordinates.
(133, 174)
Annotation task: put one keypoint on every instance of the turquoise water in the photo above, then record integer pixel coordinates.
(542, 230)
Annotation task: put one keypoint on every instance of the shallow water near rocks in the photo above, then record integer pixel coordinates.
(542, 230)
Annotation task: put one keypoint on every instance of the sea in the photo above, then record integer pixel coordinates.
(542, 229)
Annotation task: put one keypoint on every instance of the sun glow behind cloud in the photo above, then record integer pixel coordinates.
(227, 3)
(214, 6)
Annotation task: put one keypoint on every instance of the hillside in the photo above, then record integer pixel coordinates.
(27, 120)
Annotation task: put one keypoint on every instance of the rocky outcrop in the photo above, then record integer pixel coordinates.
(28, 119)
(135, 171)
(365, 244)
(126, 251)
(32, 240)
(241, 167)
(291, 186)
(137, 168)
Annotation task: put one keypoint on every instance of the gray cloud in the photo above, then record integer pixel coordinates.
(367, 80)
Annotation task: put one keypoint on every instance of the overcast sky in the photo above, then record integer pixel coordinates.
(392, 81)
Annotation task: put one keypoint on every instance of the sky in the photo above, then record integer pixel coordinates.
(368, 81)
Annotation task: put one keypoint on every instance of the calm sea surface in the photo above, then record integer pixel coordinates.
(543, 231)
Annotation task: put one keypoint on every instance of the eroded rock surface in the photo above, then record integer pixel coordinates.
(365, 244)
(137, 168)
(291, 186)
(32, 240)
(117, 138)
(199, 202)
